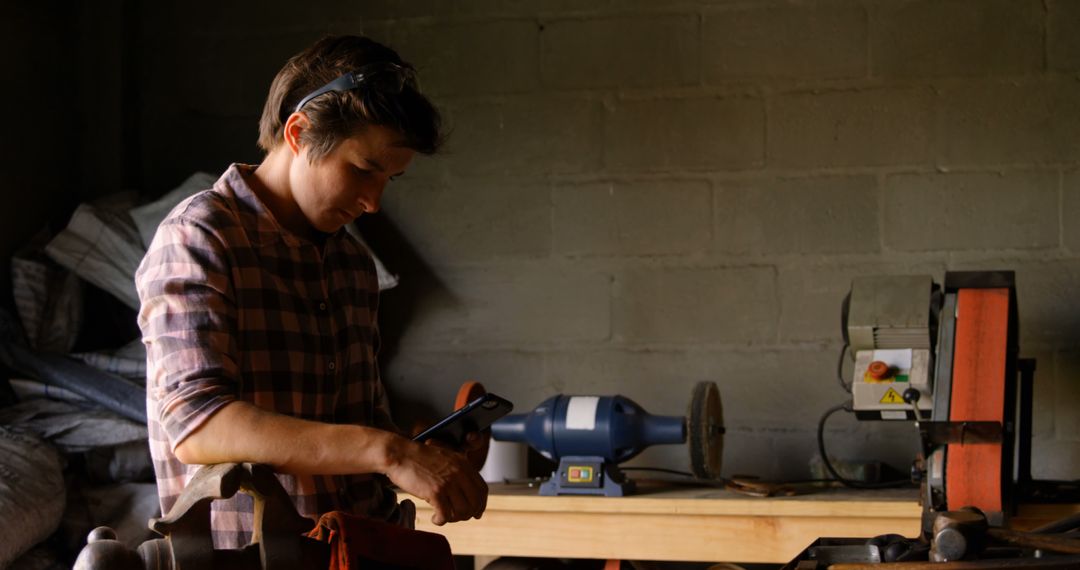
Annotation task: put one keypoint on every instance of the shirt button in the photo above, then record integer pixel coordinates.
(322, 306)
(331, 366)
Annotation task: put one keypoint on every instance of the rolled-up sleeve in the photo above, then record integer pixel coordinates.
(188, 319)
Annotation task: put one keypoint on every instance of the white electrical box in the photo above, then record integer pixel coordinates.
(880, 378)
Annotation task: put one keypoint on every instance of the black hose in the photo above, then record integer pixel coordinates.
(840, 369)
(1066, 524)
(658, 470)
(829, 466)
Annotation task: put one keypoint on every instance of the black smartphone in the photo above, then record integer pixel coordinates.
(477, 415)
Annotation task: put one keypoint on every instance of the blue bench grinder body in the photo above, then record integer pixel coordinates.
(590, 435)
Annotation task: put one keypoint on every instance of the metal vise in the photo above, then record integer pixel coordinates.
(278, 542)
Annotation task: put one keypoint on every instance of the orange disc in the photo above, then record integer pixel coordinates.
(468, 392)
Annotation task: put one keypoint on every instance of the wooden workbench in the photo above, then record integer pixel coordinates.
(688, 524)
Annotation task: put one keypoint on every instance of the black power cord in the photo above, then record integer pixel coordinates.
(832, 470)
(840, 369)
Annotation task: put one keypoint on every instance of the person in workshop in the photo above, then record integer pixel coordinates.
(259, 310)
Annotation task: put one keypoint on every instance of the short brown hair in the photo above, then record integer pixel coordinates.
(336, 116)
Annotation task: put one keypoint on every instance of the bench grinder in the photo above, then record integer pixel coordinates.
(589, 436)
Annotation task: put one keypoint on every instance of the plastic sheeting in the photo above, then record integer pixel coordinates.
(48, 299)
(112, 392)
(72, 428)
(128, 361)
(32, 389)
(32, 493)
(148, 217)
(38, 559)
(102, 245)
(125, 508)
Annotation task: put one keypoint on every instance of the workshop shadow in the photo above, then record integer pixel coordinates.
(419, 292)
(518, 563)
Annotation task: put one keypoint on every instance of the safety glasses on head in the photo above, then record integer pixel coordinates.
(386, 77)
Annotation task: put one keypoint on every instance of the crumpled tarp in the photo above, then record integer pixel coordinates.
(128, 361)
(31, 389)
(112, 392)
(125, 508)
(148, 217)
(32, 492)
(40, 558)
(102, 245)
(72, 428)
(48, 299)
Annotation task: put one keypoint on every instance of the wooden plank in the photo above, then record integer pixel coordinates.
(1031, 516)
(687, 524)
(680, 524)
(741, 538)
(698, 501)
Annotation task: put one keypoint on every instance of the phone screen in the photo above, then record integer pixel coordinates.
(477, 415)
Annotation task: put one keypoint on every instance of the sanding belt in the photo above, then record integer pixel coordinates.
(973, 474)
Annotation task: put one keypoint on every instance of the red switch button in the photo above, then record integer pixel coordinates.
(879, 370)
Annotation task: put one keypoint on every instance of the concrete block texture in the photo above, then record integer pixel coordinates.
(1046, 292)
(1048, 376)
(1070, 210)
(632, 218)
(771, 399)
(685, 134)
(780, 453)
(769, 42)
(872, 127)
(396, 9)
(1062, 41)
(637, 195)
(621, 51)
(1054, 459)
(799, 215)
(272, 17)
(973, 210)
(1009, 122)
(530, 8)
(524, 137)
(926, 38)
(423, 383)
(734, 305)
(471, 57)
(473, 219)
(1066, 403)
(512, 304)
(1046, 297)
(810, 296)
(660, 380)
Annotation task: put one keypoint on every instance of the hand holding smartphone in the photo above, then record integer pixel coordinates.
(477, 415)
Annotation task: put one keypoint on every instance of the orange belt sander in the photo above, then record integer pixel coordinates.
(946, 357)
(971, 439)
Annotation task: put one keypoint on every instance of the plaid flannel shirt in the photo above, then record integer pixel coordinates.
(236, 308)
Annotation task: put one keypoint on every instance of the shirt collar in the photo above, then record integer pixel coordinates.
(267, 228)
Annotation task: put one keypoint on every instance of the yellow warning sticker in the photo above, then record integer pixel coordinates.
(891, 397)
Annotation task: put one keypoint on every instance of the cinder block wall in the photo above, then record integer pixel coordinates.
(641, 195)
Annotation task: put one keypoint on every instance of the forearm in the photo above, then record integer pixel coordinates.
(242, 432)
